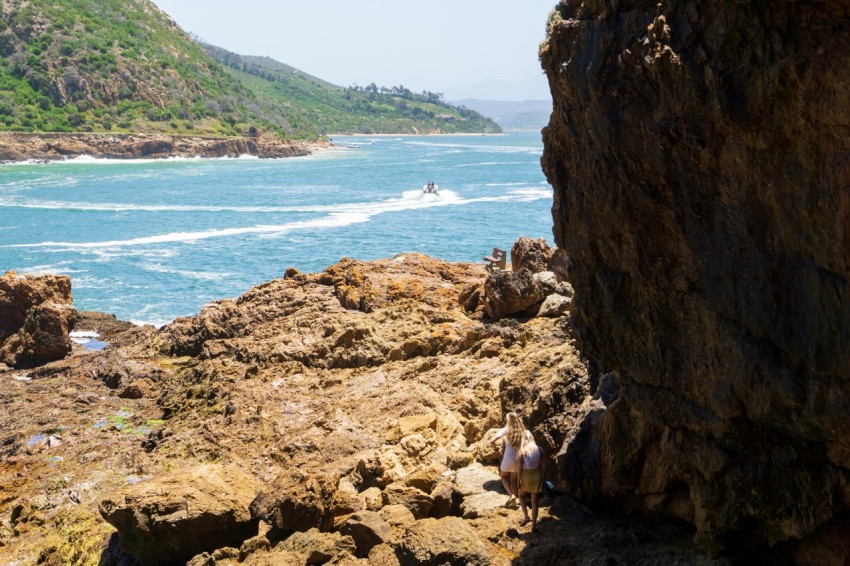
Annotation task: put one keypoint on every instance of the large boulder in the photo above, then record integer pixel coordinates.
(19, 294)
(480, 491)
(697, 152)
(297, 501)
(36, 317)
(175, 517)
(509, 293)
(417, 501)
(316, 547)
(531, 254)
(368, 529)
(442, 541)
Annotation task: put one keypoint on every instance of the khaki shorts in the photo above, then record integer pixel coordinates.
(531, 481)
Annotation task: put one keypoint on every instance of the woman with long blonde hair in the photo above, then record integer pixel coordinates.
(530, 477)
(509, 466)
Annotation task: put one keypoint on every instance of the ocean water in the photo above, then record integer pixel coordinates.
(153, 240)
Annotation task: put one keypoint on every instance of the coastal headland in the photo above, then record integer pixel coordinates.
(16, 147)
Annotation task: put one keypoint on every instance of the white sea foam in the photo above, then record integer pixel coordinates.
(120, 207)
(91, 160)
(532, 193)
(202, 275)
(334, 220)
(337, 215)
(480, 148)
(50, 269)
(83, 334)
(488, 164)
(157, 322)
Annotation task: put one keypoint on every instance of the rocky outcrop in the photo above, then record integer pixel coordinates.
(36, 317)
(297, 501)
(364, 388)
(529, 289)
(507, 293)
(531, 254)
(183, 514)
(51, 147)
(698, 156)
(368, 530)
(442, 541)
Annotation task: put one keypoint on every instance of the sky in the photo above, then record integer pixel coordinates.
(463, 48)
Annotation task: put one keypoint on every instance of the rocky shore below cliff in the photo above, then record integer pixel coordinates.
(337, 417)
(17, 147)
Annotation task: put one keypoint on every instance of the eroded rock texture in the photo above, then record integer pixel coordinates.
(173, 518)
(36, 316)
(700, 155)
(58, 146)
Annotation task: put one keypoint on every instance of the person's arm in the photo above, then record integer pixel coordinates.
(497, 448)
(498, 436)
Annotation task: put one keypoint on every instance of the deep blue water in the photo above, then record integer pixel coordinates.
(153, 240)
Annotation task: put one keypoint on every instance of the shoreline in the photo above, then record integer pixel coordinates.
(21, 147)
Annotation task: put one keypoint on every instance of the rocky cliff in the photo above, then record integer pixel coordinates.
(699, 157)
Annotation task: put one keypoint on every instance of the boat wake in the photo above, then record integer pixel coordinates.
(334, 216)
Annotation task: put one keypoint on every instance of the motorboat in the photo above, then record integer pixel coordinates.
(430, 188)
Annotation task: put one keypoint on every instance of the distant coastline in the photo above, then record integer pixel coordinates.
(18, 147)
(409, 135)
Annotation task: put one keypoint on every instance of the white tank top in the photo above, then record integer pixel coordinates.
(531, 461)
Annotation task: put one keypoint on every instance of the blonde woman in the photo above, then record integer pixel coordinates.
(509, 466)
(531, 477)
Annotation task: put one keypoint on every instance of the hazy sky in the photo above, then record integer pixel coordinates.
(441, 45)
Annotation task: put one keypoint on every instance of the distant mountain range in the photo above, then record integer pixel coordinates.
(512, 115)
(125, 66)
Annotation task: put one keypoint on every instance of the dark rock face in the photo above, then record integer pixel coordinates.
(698, 152)
(36, 317)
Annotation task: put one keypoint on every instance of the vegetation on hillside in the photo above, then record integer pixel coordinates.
(124, 66)
(110, 65)
(311, 104)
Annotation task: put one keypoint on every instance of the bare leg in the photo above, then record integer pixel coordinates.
(524, 507)
(506, 481)
(534, 497)
(515, 483)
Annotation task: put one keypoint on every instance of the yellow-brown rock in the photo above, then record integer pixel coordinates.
(180, 515)
(295, 387)
(36, 317)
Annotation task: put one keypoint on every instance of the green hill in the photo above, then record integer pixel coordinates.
(125, 66)
(312, 104)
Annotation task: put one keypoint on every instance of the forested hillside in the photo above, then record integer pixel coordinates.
(311, 104)
(125, 66)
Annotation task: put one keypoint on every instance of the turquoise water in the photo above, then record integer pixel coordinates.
(153, 240)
